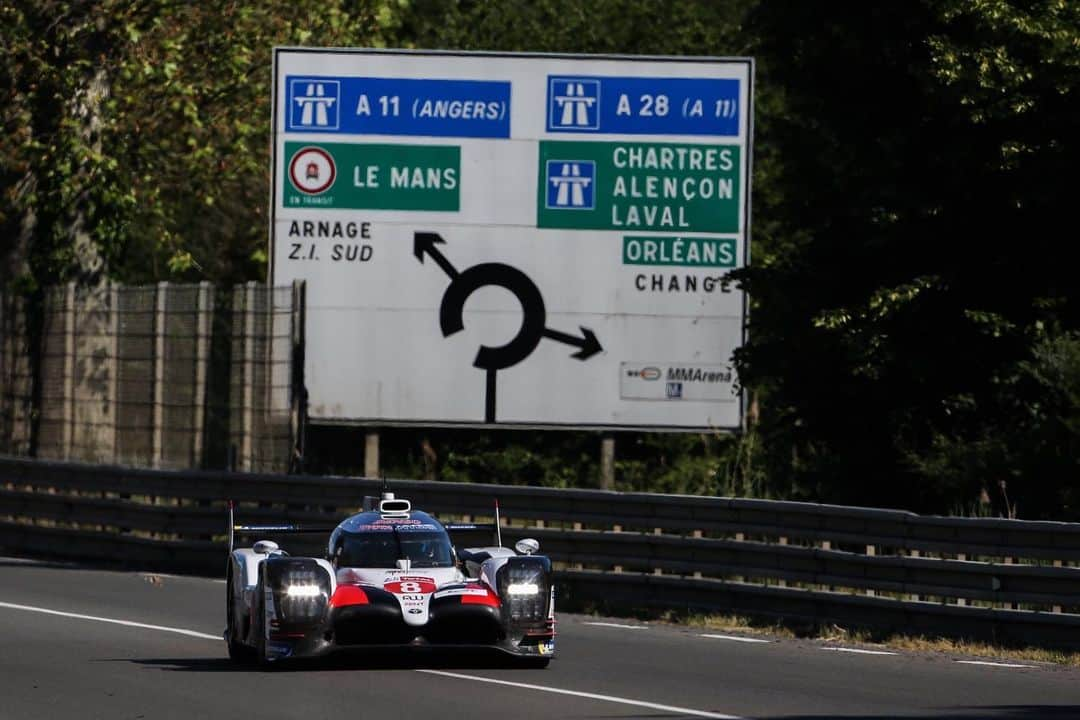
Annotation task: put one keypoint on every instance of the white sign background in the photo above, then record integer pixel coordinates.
(375, 353)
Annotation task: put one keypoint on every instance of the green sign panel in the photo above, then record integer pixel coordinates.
(681, 251)
(370, 176)
(638, 186)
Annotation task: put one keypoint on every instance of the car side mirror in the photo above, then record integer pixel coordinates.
(265, 547)
(526, 546)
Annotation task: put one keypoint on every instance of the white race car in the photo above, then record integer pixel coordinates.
(391, 577)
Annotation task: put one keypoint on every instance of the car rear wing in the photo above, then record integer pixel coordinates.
(292, 528)
(495, 527)
(285, 528)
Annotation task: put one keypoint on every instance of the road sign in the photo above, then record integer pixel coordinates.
(515, 240)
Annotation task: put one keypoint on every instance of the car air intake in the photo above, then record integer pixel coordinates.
(394, 508)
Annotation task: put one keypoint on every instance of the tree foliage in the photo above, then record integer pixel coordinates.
(914, 328)
(149, 121)
(924, 147)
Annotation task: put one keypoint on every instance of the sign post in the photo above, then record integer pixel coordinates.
(515, 240)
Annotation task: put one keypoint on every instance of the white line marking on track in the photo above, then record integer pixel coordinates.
(460, 676)
(993, 664)
(735, 638)
(128, 623)
(859, 651)
(617, 625)
(590, 696)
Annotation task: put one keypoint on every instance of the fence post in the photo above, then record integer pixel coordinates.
(114, 369)
(247, 423)
(7, 341)
(203, 318)
(371, 454)
(67, 436)
(607, 462)
(297, 386)
(158, 438)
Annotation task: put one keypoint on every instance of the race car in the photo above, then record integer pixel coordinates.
(391, 577)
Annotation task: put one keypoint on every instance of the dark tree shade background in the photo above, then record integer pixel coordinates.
(914, 330)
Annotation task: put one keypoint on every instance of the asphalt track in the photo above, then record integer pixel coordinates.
(83, 643)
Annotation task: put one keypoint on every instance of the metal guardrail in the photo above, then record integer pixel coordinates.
(982, 578)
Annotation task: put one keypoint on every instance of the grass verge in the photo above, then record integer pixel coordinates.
(794, 629)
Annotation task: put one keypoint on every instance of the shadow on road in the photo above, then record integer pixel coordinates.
(393, 659)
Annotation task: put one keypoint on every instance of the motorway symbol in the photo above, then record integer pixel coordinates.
(571, 184)
(534, 315)
(316, 105)
(574, 103)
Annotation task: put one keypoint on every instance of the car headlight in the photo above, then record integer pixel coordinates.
(523, 589)
(524, 584)
(303, 591)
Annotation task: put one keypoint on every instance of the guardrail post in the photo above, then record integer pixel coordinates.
(917, 597)
(1056, 608)
(871, 551)
(780, 582)
(1010, 605)
(827, 545)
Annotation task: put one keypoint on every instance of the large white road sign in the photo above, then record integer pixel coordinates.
(523, 240)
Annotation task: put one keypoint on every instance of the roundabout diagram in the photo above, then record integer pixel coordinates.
(533, 328)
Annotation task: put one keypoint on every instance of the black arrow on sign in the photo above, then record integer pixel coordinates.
(425, 242)
(587, 342)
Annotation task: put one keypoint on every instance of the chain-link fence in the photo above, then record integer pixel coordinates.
(166, 376)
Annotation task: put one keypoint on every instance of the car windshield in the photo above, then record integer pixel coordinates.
(383, 549)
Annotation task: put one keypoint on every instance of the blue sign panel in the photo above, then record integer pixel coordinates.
(398, 106)
(643, 106)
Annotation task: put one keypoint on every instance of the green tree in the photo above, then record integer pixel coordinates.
(924, 148)
(136, 134)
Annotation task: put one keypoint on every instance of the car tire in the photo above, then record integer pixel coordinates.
(260, 623)
(238, 651)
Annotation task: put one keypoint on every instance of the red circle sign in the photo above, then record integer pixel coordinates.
(312, 170)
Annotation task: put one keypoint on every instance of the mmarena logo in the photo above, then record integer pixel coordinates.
(648, 373)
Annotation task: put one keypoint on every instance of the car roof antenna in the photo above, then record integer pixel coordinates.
(384, 491)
